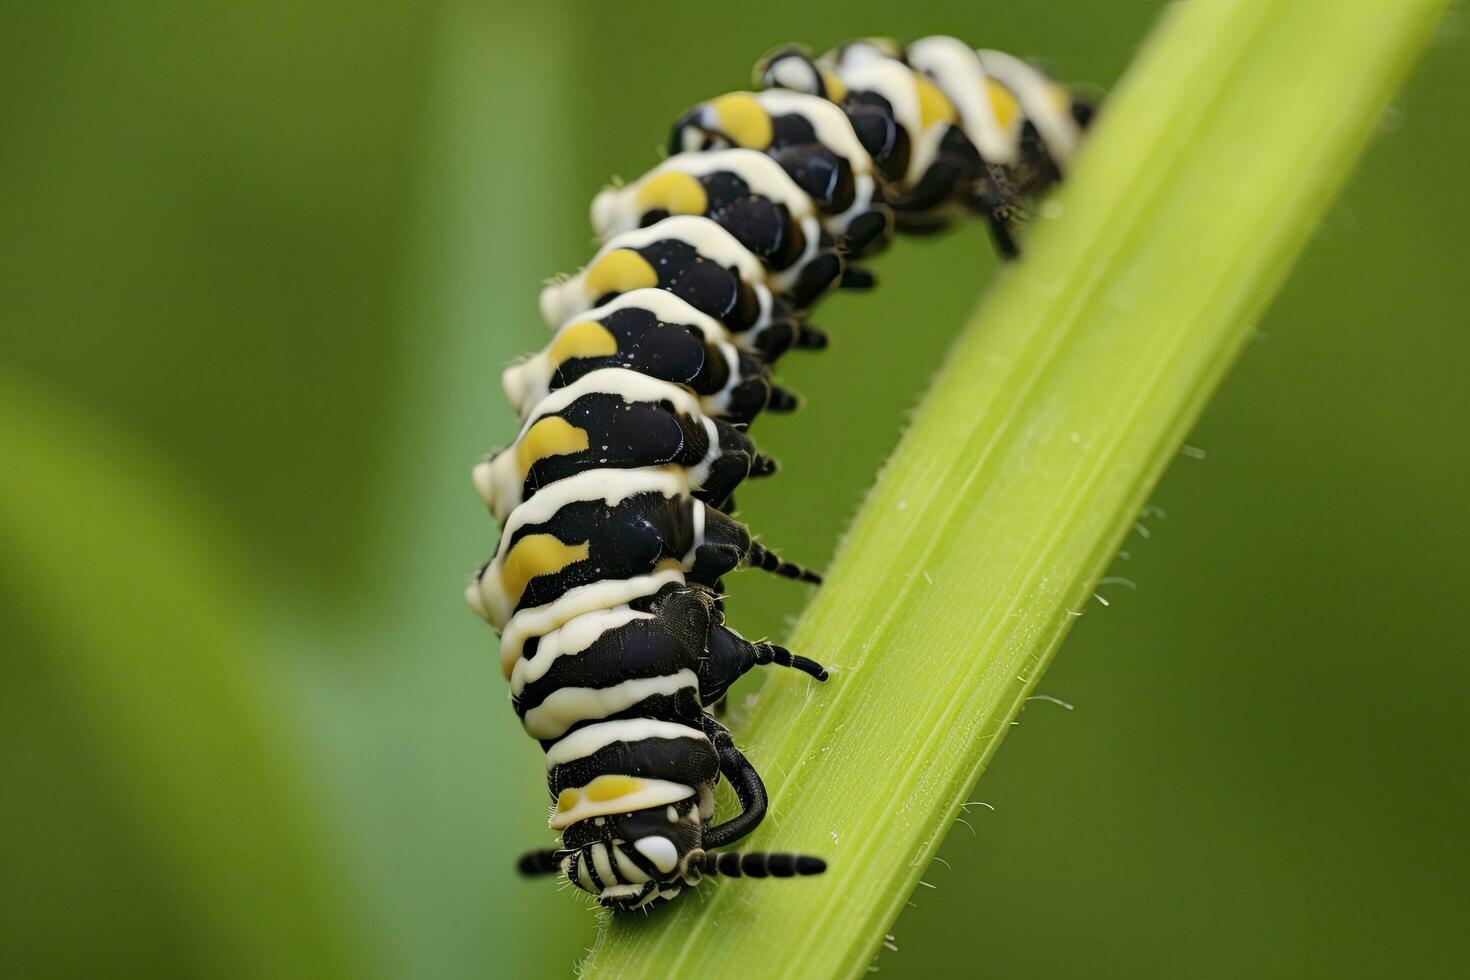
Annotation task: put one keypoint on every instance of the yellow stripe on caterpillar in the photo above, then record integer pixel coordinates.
(535, 555)
(836, 91)
(587, 338)
(741, 118)
(608, 794)
(1002, 104)
(619, 271)
(674, 192)
(551, 436)
(933, 106)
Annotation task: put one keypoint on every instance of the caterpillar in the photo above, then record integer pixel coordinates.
(615, 498)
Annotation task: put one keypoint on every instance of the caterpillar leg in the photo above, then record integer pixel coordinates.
(1000, 235)
(920, 225)
(731, 656)
(727, 545)
(737, 461)
(815, 280)
(762, 466)
(539, 863)
(779, 337)
(749, 789)
(770, 653)
(768, 561)
(810, 338)
(998, 203)
(858, 278)
(1084, 110)
(782, 401)
(867, 234)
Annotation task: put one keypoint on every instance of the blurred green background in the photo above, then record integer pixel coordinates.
(260, 265)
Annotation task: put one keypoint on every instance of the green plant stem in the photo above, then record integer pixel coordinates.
(1029, 461)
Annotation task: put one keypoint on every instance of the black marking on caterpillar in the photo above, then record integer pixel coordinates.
(614, 499)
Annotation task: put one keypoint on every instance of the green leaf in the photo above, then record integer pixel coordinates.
(194, 826)
(1029, 461)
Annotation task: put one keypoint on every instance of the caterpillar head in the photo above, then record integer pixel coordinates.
(630, 860)
(636, 859)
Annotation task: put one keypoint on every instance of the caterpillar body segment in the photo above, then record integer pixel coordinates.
(700, 262)
(613, 525)
(616, 418)
(615, 497)
(659, 335)
(880, 87)
(813, 141)
(750, 196)
(1056, 115)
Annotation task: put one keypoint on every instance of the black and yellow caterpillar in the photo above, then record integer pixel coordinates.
(614, 498)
